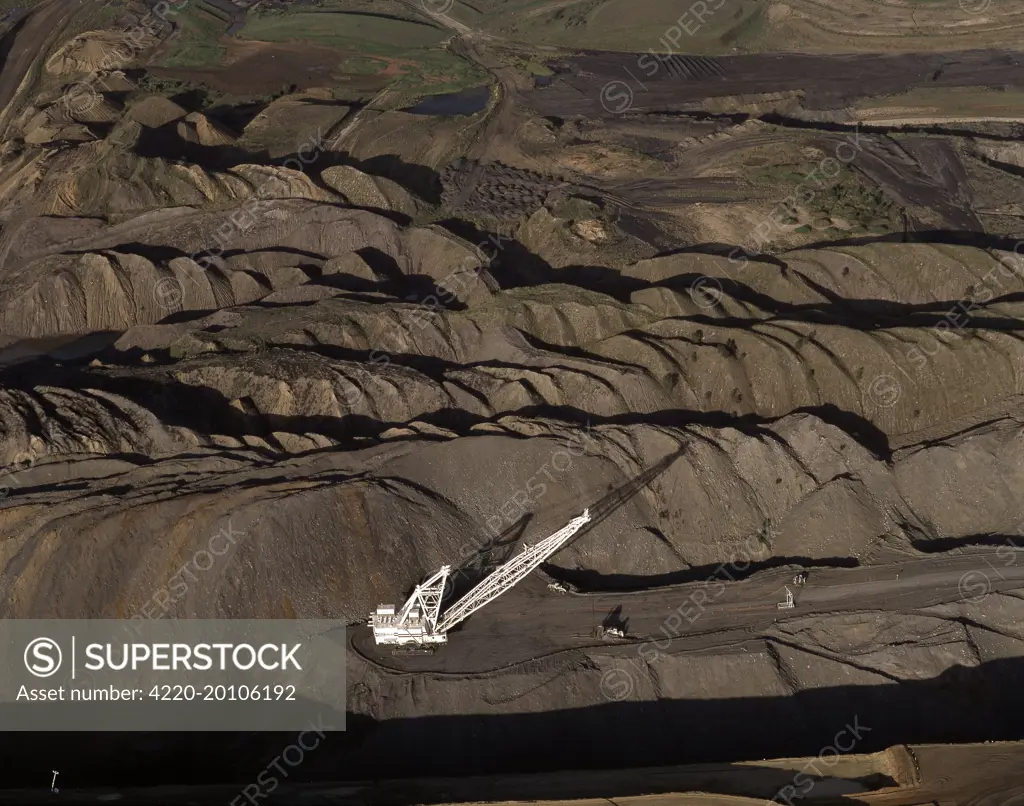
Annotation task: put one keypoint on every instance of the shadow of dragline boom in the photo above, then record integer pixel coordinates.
(616, 498)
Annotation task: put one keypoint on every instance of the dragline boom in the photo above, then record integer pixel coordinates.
(420, 621)
(507, 575)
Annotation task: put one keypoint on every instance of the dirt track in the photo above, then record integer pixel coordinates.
(531, 621)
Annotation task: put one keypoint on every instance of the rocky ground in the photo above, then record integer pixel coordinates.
(373, 341)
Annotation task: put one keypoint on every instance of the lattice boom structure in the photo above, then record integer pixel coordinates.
(420, 621)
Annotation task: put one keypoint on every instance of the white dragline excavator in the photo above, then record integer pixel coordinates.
(420, 622)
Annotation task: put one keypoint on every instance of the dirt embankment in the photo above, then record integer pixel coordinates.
(379, 357)
(22, 46)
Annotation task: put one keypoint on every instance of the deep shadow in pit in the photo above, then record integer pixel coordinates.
(207, 410)
(166, 142)
(478, 557)
(589, 581)
(509, 261)
(513, 265)
(413, 287)
(961, 705)
(939, 545)
(865, 432)
(487, 554)
(9, 38)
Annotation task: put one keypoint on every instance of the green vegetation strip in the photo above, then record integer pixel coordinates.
(196, 43)
(356, 31)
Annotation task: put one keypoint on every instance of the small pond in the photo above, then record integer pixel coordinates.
(451, 104)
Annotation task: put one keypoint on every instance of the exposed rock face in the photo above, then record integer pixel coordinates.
(357, 344)
(96, 51)
(174, 264)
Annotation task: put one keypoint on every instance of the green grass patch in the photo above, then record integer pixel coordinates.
(196, 44)
(774, 174)
(845, 196)
(977, 101)
(363, 65)
(213, 11)
(439, 71)
(850, 199)
(371, 42)
(338, 29)
(746, 29)
(627, 25)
